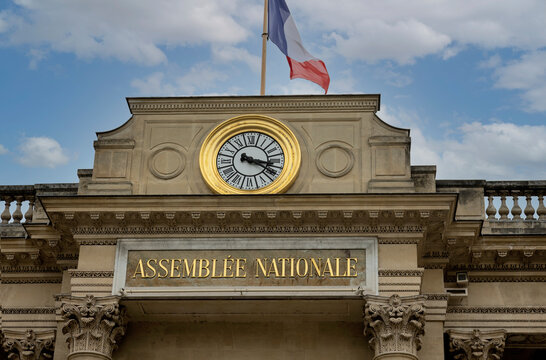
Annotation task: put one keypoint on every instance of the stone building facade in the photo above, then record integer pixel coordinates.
(359, 255)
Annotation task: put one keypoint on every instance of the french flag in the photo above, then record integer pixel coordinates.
(283, 33)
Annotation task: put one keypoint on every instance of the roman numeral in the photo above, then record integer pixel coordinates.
(263, 181)
(271, 171)
(236, 179)
(230, 170)
(251, 139)
(238, 142)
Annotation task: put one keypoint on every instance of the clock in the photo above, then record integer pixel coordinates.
(250, 154)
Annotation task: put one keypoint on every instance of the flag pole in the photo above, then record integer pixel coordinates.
(264, 49)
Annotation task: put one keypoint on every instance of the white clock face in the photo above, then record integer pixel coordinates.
(250, 160)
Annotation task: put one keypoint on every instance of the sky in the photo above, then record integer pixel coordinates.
(467, 77)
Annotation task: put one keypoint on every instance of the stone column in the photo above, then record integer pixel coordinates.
(29, 344)
(394, 325)
(476, 344)
(94, 326)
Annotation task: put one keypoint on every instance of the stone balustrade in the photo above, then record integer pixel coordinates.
(515, 200)
(18, 203)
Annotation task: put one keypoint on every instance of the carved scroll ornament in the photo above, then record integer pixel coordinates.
(476, 344)
(94, 325)
(29, 345)
(395, 324)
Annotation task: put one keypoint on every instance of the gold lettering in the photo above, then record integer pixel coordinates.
(140, 267)
(226, 268)
(240, 266)
(189, 269)
(298, 267)
(337, 267)
(351, 267)
(164, 268)
(149, 265)
(316, 267)
(204, 267)
(213, 272)
(173, 267)
(271, 266)
(292, 267)
(283, 266)
(260, 265)
(328, 268)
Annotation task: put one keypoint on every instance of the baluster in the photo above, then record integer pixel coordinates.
(503, 210)
(6, 215)
(541, 210)
(516, 209)
(491, 211)
(529, 209)
(30, 212)
(18, 214)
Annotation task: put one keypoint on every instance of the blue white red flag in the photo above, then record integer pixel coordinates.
(283, 33)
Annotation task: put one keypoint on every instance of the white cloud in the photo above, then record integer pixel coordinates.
(3, 21)
(393, 78)
(197, 80)
(491, 63)
(232, 53)
(153, 84)
(527, 74)
(405, 30)
(42, 152)
(476, 150)
(3, 150)
(36, 56)
(137, 30)
(403, 41)
(127, 30)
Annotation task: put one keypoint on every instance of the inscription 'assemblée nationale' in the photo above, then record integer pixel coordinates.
(250, 267)
(230, 267)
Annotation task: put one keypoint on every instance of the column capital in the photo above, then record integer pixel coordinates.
(394, 325)
(476, 344)
(94, 325)
(29, 344)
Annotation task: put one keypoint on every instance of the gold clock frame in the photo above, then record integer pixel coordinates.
(243, 123)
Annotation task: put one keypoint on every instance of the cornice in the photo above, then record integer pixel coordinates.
(262, 203)
(249, 104)
(282, 214)
(437, 297)
(28, 310)
(497, 310)
(498, 267)
(401, 272)
(242, 229)
(30, 269)
(90, 274)
(32, 281)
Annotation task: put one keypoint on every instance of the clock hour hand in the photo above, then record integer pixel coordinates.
(251, 160)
